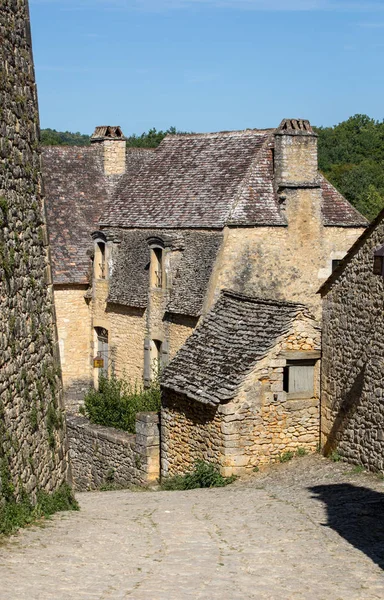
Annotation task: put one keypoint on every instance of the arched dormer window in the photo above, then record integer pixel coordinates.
(378, 262)
(100, 261)
(156, 270)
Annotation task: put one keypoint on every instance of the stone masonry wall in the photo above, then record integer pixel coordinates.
(283, 262)
(103, 455)
(74, 331)
(33, 452)
(127, 332)
(352, 399)
(190, 431)
(114, 157)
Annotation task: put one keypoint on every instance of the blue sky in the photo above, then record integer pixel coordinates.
(206, 65)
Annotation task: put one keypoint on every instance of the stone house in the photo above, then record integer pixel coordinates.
(246, 211)
(244, 388)
(352, 407)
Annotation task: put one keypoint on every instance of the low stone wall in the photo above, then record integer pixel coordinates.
(101, 455)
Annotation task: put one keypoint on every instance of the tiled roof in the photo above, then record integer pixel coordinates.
(190, 275)
(193, 181)
(77, 191)
(232, 338)
(212, 180)
(337, 211)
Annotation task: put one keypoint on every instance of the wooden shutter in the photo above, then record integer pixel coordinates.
(164, 354)
(147, 361)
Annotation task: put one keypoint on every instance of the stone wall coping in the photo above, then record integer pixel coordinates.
(148, 417)
(116, 436)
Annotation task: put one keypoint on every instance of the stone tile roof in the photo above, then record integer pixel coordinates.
(190, 272)
(337, 211)
(193, 181)
(212, 180)
(77, 192)
(232, 338)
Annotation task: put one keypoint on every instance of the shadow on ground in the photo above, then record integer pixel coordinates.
(357, 514)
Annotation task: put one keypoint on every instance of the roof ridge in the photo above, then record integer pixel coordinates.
(234, 132)
(261, 300)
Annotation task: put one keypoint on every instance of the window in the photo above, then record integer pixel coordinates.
(378, 262)
(155, 358)
(100, 265)
(157, 267)
(298, 377)
(335, 264)
(102, 348)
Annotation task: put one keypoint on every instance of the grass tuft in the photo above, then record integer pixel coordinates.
(203, 475)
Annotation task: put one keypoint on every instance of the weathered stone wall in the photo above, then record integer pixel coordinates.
(259, 425)
(352, 407)
(103, 455)
(127, 332)
(74, 331)
(296, 158)
(33, 451)
(190, 431)
(114, 157)
(287, 263)
(180, 328)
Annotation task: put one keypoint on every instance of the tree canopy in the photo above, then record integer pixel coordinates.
(351, 156)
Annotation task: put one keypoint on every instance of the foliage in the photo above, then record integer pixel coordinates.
(116, 402)
(351, 156)
(301, 452)
(15, 514)
(286, 456)
(51, 137)
(204, 475)
(148, 139)
(335, 456)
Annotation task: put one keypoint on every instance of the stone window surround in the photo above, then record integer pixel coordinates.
(299, 356)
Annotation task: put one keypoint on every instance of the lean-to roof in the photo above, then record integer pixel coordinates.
(237, 332)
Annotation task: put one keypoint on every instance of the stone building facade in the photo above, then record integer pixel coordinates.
(246, 211)
(244, 388)
(352, 408)
(33, 448)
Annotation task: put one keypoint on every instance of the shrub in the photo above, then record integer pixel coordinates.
(15, 514)
(286, 456)
(203, 475)
(116, 402)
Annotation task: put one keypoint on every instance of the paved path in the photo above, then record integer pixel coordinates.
(310, 529)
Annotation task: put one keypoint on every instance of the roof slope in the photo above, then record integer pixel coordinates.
(234, 336)
(193, 181)
(337, 211)
(129, 280)
(212, 180)
(77, 192)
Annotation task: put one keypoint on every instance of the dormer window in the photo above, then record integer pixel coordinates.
(100, 256)
(378, 262)
(157, 267)
(101, 260)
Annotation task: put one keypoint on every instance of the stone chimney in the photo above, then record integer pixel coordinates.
(295, 154)
(114, 148)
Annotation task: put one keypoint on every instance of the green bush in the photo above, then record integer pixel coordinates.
(286, 456)
(116, 402)
(15, 514)
(204, 475)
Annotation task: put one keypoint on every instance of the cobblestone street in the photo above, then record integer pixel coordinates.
(310, 529)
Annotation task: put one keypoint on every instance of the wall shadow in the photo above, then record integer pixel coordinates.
(357, 514)
(348, 406)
